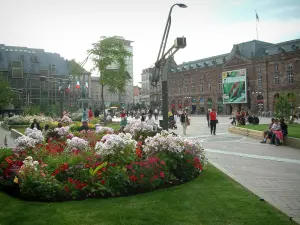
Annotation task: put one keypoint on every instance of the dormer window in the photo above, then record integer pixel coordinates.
(290, 66)
(276, 67)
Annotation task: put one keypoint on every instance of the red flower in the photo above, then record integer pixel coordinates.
(70, 180)
(155, 177)
(162, 174)
(142, 176)
(67, 189)
(102, 182)
(8, 160)
(138, 152)
(133, 178)
(162, 162)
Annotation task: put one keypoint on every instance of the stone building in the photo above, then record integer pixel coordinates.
(271, 69)
(36, 75)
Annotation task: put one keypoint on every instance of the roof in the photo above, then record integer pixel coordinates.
(248, 50)
(45, 59)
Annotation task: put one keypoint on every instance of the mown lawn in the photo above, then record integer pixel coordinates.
(293, 129)
(211, 199)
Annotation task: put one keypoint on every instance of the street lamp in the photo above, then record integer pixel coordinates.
(180, 43)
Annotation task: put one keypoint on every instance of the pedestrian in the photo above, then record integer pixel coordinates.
(150, 112)
(90, 114)
(213, 121)
(156, 113)
(97, 113)
(35, 124)
(207, 117)
(185, 121)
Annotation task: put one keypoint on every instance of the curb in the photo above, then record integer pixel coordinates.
(288, 141)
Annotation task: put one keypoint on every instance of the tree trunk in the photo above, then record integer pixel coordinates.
(103, 105)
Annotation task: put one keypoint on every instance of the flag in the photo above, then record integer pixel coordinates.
(77, 85)
(68, 88)
(257, 18)
(86, 84)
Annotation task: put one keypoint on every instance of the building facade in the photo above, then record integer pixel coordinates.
(136, 94)
(271, 69)
(146, 86)
(36, 76)
(96, 94)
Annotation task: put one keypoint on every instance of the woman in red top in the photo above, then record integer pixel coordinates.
(213, 121)
(90, 114)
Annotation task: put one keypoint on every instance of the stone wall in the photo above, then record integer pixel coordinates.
(288, 141)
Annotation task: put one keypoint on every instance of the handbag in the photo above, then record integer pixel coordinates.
(188, 121)
(217, 121)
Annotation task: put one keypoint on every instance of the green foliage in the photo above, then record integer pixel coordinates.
(75, 68)
(6, 94)
(181, 166)
(284, 105)
(32, 110)
(43, 188)
(106, 53)
(117, 181)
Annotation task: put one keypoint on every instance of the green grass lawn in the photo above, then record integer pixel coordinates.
(21, 129)
(294, 129)
(211, 199)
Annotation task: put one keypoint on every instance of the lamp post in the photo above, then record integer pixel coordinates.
(161, 54)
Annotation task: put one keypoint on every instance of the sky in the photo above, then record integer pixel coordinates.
(211, 27)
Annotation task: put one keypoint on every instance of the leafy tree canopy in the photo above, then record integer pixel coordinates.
(109, 57)
(6, 94)
(75, 68)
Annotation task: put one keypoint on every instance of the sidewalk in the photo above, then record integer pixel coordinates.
(10, 139)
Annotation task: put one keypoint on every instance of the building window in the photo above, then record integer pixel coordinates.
(259, 80)
(209, 86)
(276, 78)
(219, 85)
(193, 87)
(201, 88)
(290, 77)
(276, 67)
(193, 78)
(259, 69)
(290, 66)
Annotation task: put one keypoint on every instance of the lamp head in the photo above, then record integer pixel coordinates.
(181, 5)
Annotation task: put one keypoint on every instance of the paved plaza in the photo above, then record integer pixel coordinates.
(271, 172)
(10, 140)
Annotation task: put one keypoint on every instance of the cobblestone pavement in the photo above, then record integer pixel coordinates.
(10, 140)
(271, 172)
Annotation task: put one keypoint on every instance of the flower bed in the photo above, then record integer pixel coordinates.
(88, 164)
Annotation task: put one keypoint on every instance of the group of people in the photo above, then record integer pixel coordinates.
(276, 132)
(90, 115)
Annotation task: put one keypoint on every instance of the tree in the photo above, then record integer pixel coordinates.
(6, 93)
(75, 68)
(282, 106)
(109, 57)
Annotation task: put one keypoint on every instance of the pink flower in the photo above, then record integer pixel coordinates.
(162, 174)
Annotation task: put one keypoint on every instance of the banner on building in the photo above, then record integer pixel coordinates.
(234, 86)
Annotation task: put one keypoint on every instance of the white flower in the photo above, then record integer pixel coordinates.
(77, 143)
(135, 126)
(24, 142)
(112, 144)
(62, 131)
(36, 134)
(29, 163)
(66, 119)
(100, 129)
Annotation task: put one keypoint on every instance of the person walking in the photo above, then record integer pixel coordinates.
(207, 117)
(156, 113)
(184, 121)
(213, 121)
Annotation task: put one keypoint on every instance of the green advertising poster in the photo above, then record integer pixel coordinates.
(234, 86)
